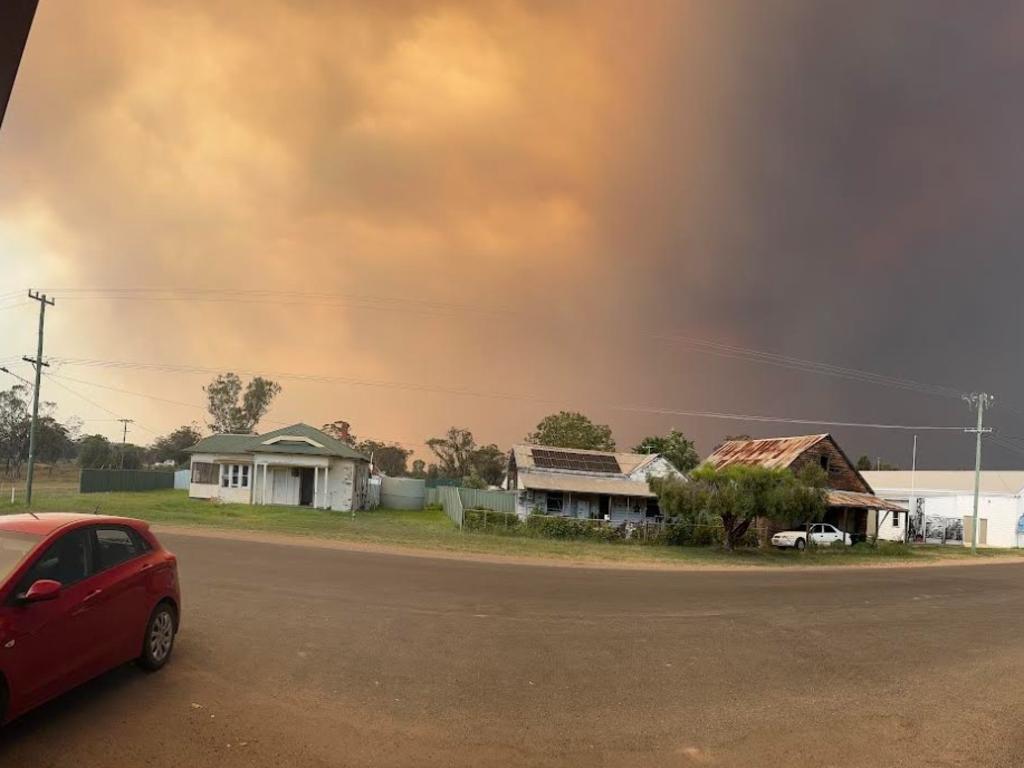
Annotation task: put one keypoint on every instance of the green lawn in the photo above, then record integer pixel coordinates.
(432, 530)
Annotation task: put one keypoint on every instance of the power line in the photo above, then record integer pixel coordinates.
(203, 408)
(90, 401)
(320, 378)
(307, 298)
(1007, 445)
(19, 378)
(810, 366)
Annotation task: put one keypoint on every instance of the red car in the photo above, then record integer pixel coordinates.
(79, 595)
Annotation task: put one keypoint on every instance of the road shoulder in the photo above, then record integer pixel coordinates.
(295, 540)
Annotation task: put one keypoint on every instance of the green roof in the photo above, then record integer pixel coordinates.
(226, 443)
(223, 443)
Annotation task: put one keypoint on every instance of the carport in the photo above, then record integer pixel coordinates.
(859, 514)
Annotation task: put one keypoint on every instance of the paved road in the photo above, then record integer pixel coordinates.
(297, 656)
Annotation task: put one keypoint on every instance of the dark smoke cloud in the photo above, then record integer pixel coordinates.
(836, 182)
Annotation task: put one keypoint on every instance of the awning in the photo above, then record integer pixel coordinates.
(611, 486)
(862, 500)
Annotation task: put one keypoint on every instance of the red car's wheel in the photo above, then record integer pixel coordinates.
(159, 639)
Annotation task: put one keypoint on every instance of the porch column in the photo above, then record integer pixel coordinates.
(266, 472)
(327, 497)
(316, 476)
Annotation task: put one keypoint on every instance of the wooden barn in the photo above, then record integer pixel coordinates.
(852, 503)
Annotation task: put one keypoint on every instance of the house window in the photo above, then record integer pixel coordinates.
(204, 472)
(554, 504)
(235, 476)
(823, 460)
(895, 519)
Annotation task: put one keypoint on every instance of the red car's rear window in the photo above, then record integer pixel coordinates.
(13, 548)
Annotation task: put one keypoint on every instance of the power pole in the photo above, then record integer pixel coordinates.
(124, 437)
(38, 363)
(981, 401)
(913, 494)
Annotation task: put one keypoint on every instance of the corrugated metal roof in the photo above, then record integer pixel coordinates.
(628, 462)
(331, 447)
(1009, 482)
(223, 443)
(579, 483)
(771, 452)
(865, 500)
(226, 443)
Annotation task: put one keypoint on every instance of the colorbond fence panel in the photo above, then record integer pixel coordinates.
(104, 480)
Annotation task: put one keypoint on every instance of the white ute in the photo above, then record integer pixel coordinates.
(821, 534)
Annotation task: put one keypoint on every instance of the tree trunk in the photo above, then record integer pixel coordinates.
(734, 532)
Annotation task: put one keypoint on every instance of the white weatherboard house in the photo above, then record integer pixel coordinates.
(297, 466)
(944, 502)
(585, 484)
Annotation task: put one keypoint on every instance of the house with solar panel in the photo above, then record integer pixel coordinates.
(294, 466)
(585, 484)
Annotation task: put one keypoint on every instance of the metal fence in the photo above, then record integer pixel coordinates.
(499, 501)
(451, 501)
(402, 493)
(103, 480)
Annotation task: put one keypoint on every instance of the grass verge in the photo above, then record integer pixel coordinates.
(432, 530)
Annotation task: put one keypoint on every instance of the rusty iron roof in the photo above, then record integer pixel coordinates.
(771, 452)
(862, 500)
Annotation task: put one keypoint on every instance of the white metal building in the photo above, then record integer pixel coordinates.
(941, 505)
(296, 466)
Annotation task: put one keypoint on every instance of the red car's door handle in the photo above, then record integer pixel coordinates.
(86, 602)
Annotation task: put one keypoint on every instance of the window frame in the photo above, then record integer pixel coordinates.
(18, 593)
(895, 519)
(207, 471)
(238, 476)
(142, 546)
(551, 496)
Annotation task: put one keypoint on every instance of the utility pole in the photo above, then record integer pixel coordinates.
(913, 494)
(124, 437)
(981, 401)
(38, 363)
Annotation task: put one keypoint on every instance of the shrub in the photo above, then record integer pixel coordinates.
(571, 528)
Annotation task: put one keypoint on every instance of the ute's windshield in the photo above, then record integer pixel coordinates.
(13, 547)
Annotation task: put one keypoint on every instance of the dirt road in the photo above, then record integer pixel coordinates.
(301, 656)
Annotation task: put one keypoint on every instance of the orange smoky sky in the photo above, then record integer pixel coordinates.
(496, 197)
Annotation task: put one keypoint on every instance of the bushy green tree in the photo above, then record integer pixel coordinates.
(235, 411)
(454, 452)
(571, 429)
(389, 459)
(488, 463)
(674, 446)
(737, 495)
(172, 447)
(458, 457)
(340, 430)
(94, 452)
(14, 423)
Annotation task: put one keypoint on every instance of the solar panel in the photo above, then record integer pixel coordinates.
(545, 458)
